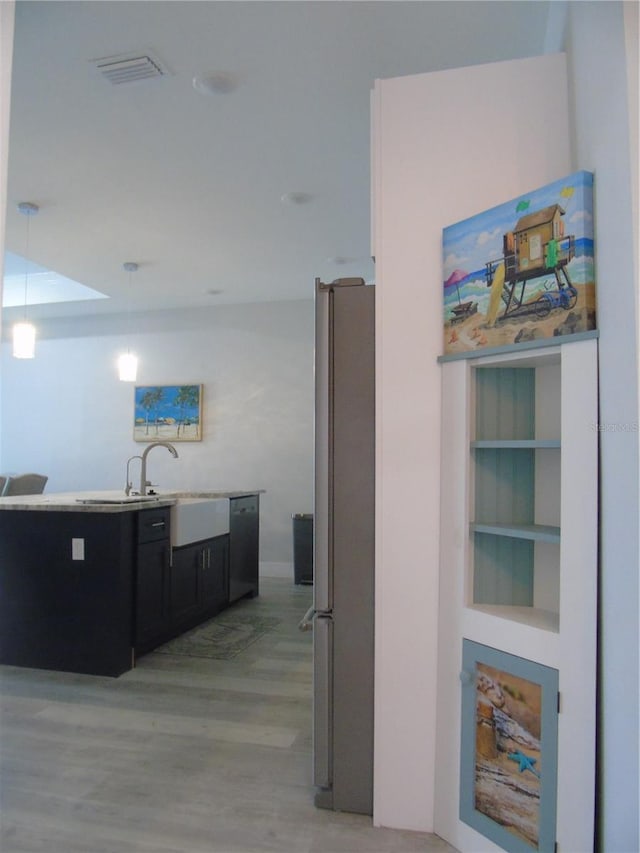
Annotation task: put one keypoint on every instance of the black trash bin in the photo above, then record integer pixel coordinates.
(302, 547)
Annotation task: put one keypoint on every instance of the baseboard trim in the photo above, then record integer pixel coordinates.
(276, 570)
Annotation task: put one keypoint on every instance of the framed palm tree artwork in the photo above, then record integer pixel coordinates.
(167, 413)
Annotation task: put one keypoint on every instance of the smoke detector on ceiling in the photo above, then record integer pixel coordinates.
(130, 68)
(296, 198)
(216, 83)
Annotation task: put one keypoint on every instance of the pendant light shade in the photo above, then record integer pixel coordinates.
(128, 361)
(128, 367)
(24, 340)
(24, 333)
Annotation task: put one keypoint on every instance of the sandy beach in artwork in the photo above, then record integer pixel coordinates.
(473, 333)
(166, 432)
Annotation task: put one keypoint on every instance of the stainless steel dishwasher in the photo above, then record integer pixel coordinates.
(244, 531)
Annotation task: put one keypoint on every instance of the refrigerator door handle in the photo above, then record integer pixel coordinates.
(323, 439)
(322, 701)
(306, 623)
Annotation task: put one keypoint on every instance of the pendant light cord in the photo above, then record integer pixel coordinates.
(24, 333)
(28, 209)
(26, 267)
(129, 323)
(130, 267)
(128, 364)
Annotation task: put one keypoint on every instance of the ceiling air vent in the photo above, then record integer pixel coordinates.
(131, 68)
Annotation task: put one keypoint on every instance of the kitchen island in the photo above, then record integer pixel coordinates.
(91, 580)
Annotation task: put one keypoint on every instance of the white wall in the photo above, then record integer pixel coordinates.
(7, 10)
(444, 151)
(604, 84)
(406, 620)
(67, 414)
(413, 200)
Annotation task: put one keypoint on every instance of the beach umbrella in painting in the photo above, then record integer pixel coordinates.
(455, 278)
(522, 205)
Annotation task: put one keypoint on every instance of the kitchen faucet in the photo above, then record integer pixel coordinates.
(129, 484)
(143, 464)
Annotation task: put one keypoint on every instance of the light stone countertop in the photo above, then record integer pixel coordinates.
(110, 501)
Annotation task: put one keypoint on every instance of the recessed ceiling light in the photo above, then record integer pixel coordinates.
(212, 291)
(296, 198)
(340, 259)
(216, 83)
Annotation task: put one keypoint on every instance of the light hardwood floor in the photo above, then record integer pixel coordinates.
(180, 755)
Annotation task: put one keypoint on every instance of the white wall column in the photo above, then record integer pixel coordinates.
(7, 15)
(603, 71)
(447, 145)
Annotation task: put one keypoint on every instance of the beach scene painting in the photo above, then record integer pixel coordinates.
(522, 271)
(167, 413)
(509, 762)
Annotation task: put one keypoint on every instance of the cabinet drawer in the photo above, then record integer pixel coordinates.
(153, 524)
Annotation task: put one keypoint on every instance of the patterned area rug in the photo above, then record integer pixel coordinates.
(222, 637)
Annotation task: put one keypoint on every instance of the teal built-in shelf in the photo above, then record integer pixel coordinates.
(517, 444)
(534, 532)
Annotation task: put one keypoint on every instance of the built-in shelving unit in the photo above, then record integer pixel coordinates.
(515, 515)
(518, 569)
(515, 444)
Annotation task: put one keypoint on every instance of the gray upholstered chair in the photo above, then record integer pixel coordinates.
(3, 482)
(25, 484)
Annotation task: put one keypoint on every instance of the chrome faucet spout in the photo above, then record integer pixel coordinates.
(143, 465)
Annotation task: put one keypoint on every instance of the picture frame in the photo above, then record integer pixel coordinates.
(509, 748)
(521, 273)
(167, 413)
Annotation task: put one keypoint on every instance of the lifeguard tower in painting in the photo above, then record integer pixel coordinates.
(521, 272)
(536, 247)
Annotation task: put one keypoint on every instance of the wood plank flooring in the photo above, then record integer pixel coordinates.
(180, 755)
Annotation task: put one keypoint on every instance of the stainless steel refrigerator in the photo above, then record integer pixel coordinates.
(343, 566)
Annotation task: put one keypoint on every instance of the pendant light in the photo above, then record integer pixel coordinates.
(24, 333)
(128, 361)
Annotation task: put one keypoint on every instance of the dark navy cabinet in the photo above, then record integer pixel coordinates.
(199, 582)
(89, 591)
(152, 579)
(61, 613)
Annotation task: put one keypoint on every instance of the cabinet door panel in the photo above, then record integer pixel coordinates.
(215, 574)
(186, 566)
(151, 592)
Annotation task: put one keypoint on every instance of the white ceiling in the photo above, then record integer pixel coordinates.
(189, 185)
